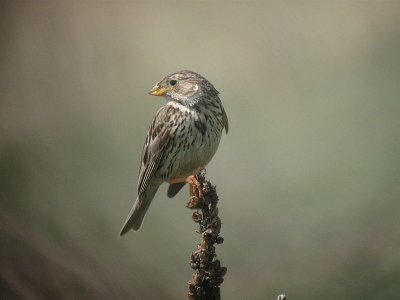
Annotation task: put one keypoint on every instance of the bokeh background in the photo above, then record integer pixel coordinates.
(308, 176)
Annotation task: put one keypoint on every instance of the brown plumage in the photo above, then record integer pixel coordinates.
(182, 138)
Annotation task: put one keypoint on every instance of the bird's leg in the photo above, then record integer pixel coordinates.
(177, 180)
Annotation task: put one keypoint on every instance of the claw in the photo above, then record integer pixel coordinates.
(192, 180)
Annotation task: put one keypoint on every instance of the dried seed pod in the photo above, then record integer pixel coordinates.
(198, 279)
(197, 217)
(194, 202)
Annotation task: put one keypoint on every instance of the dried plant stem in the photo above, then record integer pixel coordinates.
(208, 273)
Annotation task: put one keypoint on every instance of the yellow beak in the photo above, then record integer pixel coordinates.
(158, 91)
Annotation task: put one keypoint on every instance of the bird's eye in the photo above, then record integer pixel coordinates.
(172, 82)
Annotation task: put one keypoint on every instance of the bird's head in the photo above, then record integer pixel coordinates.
(185, 87)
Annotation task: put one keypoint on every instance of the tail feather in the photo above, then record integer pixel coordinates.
(138, 212)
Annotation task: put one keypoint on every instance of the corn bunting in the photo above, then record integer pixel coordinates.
(181, 140)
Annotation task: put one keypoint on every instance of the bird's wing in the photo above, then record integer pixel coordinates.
(225, 119)
(154, 147)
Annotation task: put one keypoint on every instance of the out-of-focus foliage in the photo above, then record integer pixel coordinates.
(309, 175)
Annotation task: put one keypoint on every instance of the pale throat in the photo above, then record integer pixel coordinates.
(181, 107)
(186, 100)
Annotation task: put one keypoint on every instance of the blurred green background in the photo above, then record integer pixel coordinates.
(308, 176)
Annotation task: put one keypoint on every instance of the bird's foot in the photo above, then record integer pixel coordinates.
(196, 186)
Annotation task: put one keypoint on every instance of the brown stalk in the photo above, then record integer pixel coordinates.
(208, 274)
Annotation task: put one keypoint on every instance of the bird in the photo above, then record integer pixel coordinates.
(181, 140)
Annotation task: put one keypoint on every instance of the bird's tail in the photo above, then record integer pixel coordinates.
(138, 211)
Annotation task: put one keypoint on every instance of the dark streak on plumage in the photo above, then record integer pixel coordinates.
(183, 136)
